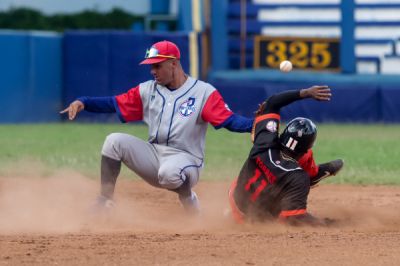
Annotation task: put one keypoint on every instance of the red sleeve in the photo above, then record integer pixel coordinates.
(308, 164)
(129, 105)
(215, 110)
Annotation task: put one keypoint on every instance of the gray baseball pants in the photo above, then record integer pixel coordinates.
(159, 165)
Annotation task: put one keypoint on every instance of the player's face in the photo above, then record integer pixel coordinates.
(163, 72)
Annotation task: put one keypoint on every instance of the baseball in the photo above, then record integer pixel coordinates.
(286, 66)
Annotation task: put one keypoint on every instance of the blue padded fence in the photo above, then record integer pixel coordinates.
(105, 63)
(43, 72)
(31, 80)
(356, 98)
(390, 100)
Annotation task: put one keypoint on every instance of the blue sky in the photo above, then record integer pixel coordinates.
(71, 6)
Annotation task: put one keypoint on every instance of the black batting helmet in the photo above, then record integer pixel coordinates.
(298, 136)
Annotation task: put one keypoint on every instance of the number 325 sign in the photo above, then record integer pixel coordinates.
(304, 53)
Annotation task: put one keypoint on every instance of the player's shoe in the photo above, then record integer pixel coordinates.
(191, 204)
(103, 205)
(326, 170)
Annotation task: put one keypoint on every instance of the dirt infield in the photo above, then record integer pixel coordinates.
(44, 221)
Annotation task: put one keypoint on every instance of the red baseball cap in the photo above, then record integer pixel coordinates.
(160, 52)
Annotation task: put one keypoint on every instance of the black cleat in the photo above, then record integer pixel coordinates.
(326, 170)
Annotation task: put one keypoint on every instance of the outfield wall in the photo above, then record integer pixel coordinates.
(43, 72)
(356, 98)
(102, 63)
(31, 76)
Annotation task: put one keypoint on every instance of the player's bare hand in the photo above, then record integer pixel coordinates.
(73, 109)
(319, 93)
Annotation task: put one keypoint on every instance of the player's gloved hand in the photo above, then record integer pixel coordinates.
(319, 93)
(73, 109)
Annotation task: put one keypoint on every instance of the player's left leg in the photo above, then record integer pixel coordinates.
(188, 197)
(179, 172)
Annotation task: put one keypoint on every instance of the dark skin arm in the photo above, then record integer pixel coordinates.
(274, 103)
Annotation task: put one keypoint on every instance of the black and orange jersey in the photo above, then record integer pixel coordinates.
(271, 184)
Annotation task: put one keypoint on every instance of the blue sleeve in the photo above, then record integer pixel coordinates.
(237, 123)
(98, 104)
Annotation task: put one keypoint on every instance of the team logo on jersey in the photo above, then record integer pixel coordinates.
(187, 108)
(272, 126)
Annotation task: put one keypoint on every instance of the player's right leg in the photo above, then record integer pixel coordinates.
(138, 155)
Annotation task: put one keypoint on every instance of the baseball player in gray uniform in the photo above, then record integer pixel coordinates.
(177, 109)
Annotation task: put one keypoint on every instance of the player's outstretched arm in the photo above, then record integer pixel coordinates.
(73, 109)
(274, 103)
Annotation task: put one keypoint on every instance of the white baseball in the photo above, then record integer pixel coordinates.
(286, 66)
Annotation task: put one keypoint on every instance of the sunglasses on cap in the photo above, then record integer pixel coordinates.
(153, 52)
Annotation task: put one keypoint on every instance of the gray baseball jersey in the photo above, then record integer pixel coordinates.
(176, 118)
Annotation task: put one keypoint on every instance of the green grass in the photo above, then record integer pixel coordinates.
(371, 152)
